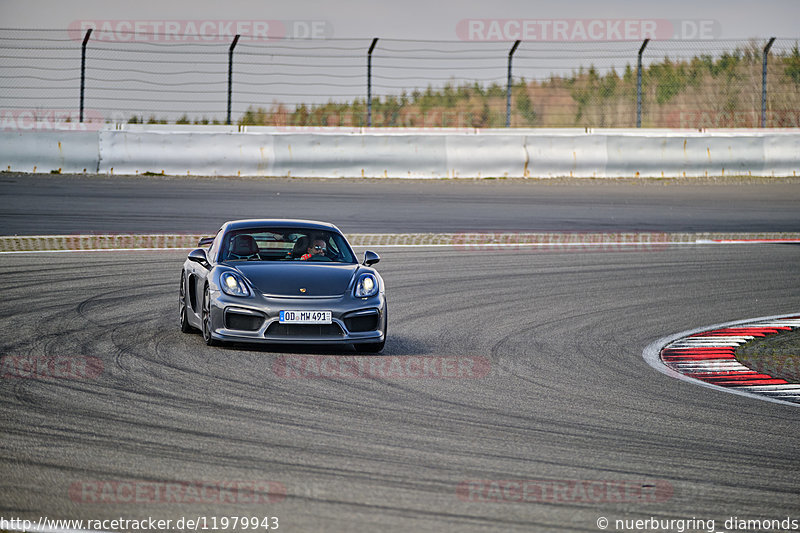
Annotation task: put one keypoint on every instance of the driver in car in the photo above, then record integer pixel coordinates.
(318, 248)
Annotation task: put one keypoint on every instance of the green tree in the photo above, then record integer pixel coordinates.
(524, 105)
(792, 65)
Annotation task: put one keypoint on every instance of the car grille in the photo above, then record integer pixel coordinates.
(242, 321)
(362, 323)
(276, 329)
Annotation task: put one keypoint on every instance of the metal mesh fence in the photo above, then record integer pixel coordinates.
(152, 77)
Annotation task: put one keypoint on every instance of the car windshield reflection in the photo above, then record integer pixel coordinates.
(286, 244)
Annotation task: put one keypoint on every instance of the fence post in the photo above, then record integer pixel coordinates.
(764, 83)
(639, 84)
(83, 69)
(369, 81)
(508, 85)
(230, 75)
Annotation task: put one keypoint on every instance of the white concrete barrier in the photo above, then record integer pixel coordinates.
(571, 154)
(403, 153)
(46, 151)
(187, 152)
(483, 156)
(354, 155)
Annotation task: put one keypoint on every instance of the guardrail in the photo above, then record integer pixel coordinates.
(401, 153)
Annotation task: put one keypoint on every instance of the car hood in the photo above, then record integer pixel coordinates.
(288, 279)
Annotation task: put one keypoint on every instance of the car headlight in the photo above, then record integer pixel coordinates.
(233, 285)
(366, 286)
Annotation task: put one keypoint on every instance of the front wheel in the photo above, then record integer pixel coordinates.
(184, 320)
(210, 341)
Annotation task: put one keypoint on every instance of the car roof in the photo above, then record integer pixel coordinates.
(279, 223)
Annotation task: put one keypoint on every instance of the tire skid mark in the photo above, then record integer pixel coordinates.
(179, 410)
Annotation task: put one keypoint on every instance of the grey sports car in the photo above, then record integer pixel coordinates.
(283, 281)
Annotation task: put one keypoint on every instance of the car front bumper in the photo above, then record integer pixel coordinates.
(256, 319)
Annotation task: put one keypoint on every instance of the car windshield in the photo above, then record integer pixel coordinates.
(286, 244)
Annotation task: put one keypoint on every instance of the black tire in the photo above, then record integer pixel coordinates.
(206, 314)
(184, 321)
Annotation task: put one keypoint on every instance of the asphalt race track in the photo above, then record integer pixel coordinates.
(45, 204)
(563, 398)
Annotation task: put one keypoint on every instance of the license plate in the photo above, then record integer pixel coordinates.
(305, 317)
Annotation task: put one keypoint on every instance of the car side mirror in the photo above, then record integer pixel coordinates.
(370, 258)
(198, 255)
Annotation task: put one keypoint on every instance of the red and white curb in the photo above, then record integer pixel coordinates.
(706, 357)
